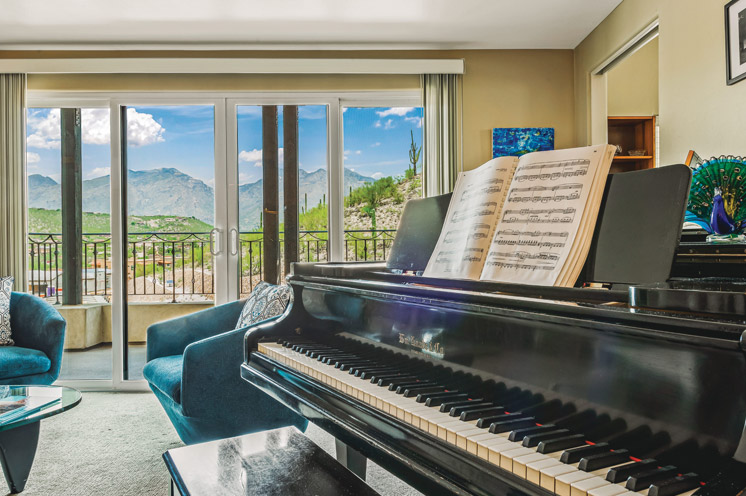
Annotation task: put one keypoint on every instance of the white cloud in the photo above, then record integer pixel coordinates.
(389, 124)
(417, 121)
(377, 143)
(358, 152)
(398, 111)
(32, 158)
(255, 156)
(46, 130)
(95, 126)
(376, 175)
(99, 171)
(142, 129)
(377, 124)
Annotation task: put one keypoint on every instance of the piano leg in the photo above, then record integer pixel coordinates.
(351, 459)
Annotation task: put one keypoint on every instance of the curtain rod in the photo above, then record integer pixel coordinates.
(228, 65)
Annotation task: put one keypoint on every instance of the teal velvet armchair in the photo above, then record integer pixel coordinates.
(38, 332)
(193, 367)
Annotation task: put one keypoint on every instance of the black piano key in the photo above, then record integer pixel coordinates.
(533, 440)
(643, 480)
(400, 388)
(675, 485)
(524, 400)
(630, 438)
(342, 365)
(415, 391)
(518, 434)
(387, 381)
(574, 455)
(366, 373)
(510, 425)
(622, 473)
(485, 421)
(544, 410)
(470, 415)
(602, 460)
(606, 430)
(561, 443)
(577, 422)
(438, 399)
(456, 411)
(423, 397)
(447, 405)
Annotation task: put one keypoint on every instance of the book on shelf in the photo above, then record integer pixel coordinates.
(14, 407)
(524, 220)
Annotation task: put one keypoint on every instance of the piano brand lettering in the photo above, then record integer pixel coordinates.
(422, 345)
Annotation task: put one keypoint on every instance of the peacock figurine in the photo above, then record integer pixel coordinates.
(717, 199)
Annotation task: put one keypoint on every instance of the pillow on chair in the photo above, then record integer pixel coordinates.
(266, 301)
(6, 286)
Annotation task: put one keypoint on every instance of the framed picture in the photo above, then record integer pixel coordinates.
(735, 40)
(516, 141)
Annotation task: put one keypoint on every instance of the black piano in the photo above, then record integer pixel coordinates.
(463, 387)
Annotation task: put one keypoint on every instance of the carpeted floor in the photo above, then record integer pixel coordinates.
(111, 444)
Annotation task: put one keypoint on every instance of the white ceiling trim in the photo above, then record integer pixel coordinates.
(230, 66)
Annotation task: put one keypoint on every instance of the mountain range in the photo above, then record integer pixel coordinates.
(169, 191)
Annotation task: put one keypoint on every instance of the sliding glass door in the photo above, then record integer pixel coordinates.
(188, 201)
(168, 172)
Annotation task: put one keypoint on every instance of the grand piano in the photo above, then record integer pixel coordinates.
(463, 387)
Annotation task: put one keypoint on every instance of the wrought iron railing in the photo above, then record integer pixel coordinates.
(172, 265)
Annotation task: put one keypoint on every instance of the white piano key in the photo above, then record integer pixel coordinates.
(548, 475)
(507, 456)
(519, 463)
(610, 490)
(533, 469)
(582, 487)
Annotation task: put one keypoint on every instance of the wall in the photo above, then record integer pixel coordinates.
(501, 88)
(633, 84)
(697, 109)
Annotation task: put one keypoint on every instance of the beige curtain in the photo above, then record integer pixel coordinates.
(13, 179)
(441, 98)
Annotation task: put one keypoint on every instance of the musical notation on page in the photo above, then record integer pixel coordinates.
(544, 194)
(551, 171)
(539, 216)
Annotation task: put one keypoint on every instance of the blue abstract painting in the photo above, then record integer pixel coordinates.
(516, 141)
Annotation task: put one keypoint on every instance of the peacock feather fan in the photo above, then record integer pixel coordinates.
(717, 199)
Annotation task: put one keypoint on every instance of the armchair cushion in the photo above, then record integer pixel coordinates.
(165, 374)
(266, 301)
(6, 286)
(17, 362)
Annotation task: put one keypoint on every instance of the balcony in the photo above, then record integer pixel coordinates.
(168, 275)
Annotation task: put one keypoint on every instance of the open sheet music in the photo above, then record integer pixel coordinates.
(527, 220)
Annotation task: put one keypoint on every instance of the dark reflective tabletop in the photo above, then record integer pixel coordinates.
(277, 462)
(37, 403)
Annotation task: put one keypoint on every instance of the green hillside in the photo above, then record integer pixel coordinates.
(368, 206)
(50, 221)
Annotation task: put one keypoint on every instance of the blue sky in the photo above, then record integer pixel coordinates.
(376, 140)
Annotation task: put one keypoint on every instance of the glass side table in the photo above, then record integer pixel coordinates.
(19, 430)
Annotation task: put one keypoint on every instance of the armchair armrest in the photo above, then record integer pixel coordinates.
(36, 324)
(214, 364)
(171, 337)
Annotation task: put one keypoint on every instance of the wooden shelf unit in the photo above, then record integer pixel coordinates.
(632, 133)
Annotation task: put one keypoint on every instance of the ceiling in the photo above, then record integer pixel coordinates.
(298, 24)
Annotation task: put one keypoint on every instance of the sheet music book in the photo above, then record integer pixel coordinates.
(527, 220)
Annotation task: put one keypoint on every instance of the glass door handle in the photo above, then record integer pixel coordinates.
(234, 241)
(215, 241)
